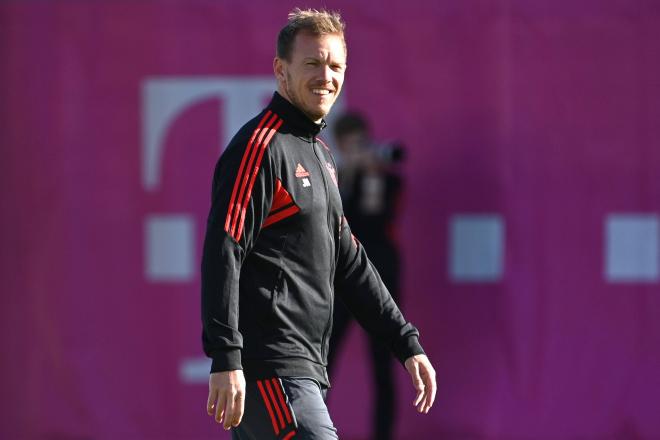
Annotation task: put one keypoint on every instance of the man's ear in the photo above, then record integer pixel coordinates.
(278, 69)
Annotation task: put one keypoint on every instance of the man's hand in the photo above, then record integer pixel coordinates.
(227, 397)
(423, 377)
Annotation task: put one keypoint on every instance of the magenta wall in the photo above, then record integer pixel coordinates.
(544, 113)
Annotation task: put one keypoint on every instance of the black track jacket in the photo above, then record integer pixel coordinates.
(276, 250)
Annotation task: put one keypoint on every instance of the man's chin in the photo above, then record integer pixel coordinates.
(322, 112)
(316, 115)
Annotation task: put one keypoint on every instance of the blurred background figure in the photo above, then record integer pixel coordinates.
(371, 189)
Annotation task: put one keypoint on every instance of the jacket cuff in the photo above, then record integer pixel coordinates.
(408, 347)
(226, 360)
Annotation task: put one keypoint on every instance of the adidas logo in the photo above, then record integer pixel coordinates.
(301, 172)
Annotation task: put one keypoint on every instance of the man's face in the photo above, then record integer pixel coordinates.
(312, 79)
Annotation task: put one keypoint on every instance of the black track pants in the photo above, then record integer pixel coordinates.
(285, 408)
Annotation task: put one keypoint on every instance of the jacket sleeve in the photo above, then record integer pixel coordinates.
(359, 286)
(242, 193)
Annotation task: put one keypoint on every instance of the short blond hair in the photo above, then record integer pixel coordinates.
(308, 20)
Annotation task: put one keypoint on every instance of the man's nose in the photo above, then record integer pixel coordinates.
(326, 73)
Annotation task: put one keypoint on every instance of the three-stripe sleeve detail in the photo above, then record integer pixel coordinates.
(232, 201)
(247, 173)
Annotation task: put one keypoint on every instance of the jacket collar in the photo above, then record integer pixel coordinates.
(294, 117)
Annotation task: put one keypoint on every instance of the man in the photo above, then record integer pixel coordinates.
(278, 247)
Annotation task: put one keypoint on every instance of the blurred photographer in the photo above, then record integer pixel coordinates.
(370, 188)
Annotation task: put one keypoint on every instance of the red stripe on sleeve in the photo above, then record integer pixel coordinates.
(271, 133)
(277, 407)
(247, 174)
(270, 410)
(280, 394)
(241, 168)
(289, 435)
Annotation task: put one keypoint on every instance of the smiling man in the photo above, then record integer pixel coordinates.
(278, 249)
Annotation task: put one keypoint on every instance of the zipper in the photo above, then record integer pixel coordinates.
(325, 186)
(332, 241)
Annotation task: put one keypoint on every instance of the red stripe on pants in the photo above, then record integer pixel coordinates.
(268, 407)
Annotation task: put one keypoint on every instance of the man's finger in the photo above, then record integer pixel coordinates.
(240, 408)
(431, 387)
(422, 400)
(434, 389)
(230, 409)
(418, 399)
(220, 407)
(427, 401)
(427, 395)
(210, 403)
(417, 383)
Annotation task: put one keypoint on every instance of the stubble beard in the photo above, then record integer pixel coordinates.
(298, 103)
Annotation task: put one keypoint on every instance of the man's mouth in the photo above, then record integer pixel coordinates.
(321, 92)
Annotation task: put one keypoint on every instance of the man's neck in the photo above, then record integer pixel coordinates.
(284, 95)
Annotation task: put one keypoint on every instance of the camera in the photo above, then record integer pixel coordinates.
(389, 152)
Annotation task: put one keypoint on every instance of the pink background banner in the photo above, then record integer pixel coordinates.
(529, 233)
